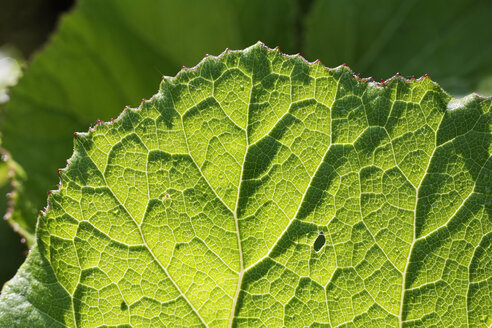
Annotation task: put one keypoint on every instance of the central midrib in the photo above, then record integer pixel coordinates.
(236, 209)
(241, 264)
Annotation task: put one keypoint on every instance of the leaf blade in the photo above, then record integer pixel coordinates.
(395, 175)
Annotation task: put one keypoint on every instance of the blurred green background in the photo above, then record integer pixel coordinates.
(84, 61)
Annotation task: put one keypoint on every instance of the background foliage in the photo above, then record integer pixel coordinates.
(104, 55)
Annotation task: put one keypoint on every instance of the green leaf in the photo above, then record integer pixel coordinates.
(446, 39)
(10, 242)
(109, 54)
(259, 190)
(18, 212)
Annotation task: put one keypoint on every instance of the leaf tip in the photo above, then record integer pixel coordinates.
(260, 44)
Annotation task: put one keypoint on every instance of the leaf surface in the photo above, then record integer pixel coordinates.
(259, 190)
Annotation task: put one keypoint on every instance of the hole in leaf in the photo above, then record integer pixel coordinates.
(123, 306)
(319, 242)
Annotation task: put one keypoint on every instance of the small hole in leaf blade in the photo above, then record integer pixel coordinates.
(123, 306)
(319, 242)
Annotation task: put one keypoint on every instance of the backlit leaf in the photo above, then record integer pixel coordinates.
(204, 206)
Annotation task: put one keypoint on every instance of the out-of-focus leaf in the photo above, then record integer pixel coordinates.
(11, 247)
(450, 40)
(10, 242)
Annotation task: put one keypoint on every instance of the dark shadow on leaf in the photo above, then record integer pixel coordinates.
(296, 231)
(467, 136)
(168, 113)
(369, 141)
(260, 158)
(459, 223)
(324, 177)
